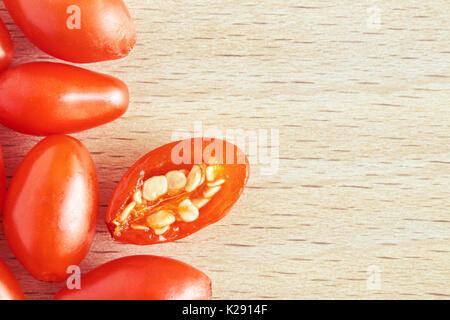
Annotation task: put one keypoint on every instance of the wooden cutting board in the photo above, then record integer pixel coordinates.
(356, 96)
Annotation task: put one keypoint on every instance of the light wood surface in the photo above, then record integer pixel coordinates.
(362, 109)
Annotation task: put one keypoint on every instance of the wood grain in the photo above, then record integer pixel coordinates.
(362, 109)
